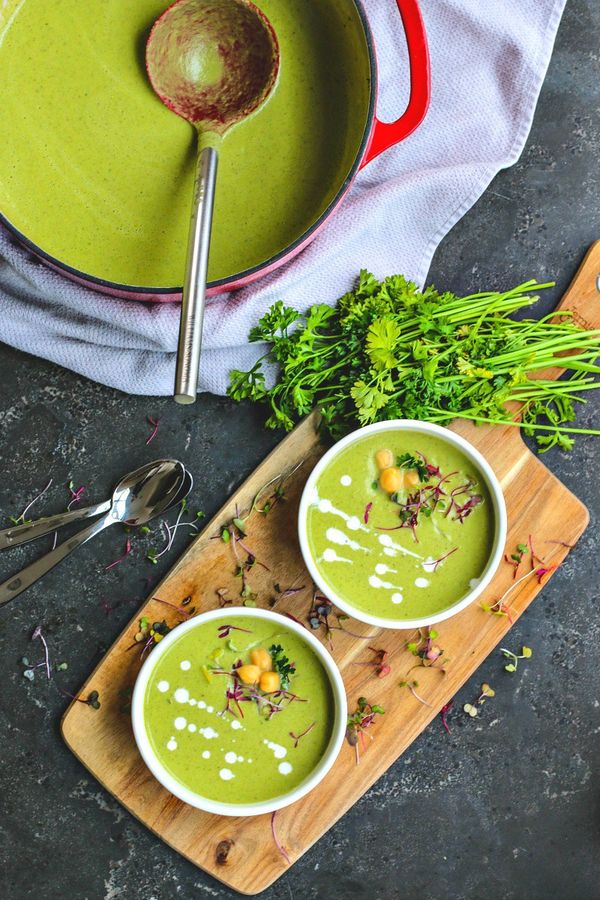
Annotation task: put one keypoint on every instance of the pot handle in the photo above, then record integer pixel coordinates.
(387, 134)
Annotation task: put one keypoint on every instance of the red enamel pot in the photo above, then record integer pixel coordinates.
(378, 136)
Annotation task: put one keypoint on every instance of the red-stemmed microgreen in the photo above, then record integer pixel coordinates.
(432, 565)
(223, 631)
(499, 608)
(154, 423)
(297, 737)
(222, 595)
(516, 558)
(513, 663)
(446, 708)
(429, 654)
(281, 849)
(358, 723)
(367, 512)
(378, 663)
(75, 493)
(181, 610)
(123, 556)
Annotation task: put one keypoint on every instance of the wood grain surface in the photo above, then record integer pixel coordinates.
(241, 852)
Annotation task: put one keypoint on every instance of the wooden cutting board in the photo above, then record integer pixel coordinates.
(241, 852)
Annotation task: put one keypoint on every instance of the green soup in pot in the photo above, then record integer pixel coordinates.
(404, 554)
(98, 173)
(237, 752)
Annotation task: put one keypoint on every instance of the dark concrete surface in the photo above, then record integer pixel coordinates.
(507, 806)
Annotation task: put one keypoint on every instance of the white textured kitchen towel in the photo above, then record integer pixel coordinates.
(489, 58)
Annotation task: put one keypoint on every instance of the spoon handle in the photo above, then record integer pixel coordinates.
(29, 575)
(194, 289)
(30, 531)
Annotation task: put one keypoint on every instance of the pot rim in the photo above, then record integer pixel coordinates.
(222, 284)
(338, 729)
(500, 523)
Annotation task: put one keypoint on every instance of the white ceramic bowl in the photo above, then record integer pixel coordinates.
(492, 484)
(239, 809)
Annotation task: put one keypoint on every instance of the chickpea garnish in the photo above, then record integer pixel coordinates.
(384, 459)
(411, 478)
(261, 658)
(248, 674)
(269, 682)
(391, 480)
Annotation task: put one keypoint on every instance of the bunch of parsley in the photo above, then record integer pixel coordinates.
(388, 350)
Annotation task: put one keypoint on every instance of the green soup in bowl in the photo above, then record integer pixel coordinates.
(239, 711)
(402, 524)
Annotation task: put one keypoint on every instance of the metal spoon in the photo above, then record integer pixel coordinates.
(156, 489)
(213, 62)
(31, 531)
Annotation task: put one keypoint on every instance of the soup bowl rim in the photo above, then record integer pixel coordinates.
(192, 798)
(500, 522)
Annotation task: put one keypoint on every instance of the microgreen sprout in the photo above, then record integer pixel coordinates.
(486, 692)
(169, 532)
(279, 846)
(155, 423)
(411, 685)
(513, 664)
(225, 630)
(359, 722)
(22, 518)
(515, 559)
(297, 737)
(75, 493)
(122, 557)
(181, 610)
(222, 595)
(367, 512)
(37, 635)
(444, 713)
(379, 663)
(149, 634)
(429, 654)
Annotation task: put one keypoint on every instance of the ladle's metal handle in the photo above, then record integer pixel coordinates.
(194, 289)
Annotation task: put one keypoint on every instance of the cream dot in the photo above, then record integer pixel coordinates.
(208, 733)
(182, 695)
(172, 745)
(240, 759)
(201, 704)
(206, 754)
(285, 768)
(230, 758)
(325, 506)
(185, 665)
(346, 480)
(180, 723)
(210, 709)
(226, 774)
(421, 582)
(192, 728)
(397, 598)
(353, 523)
(163, 686)
(191, 701)
(236, 724)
